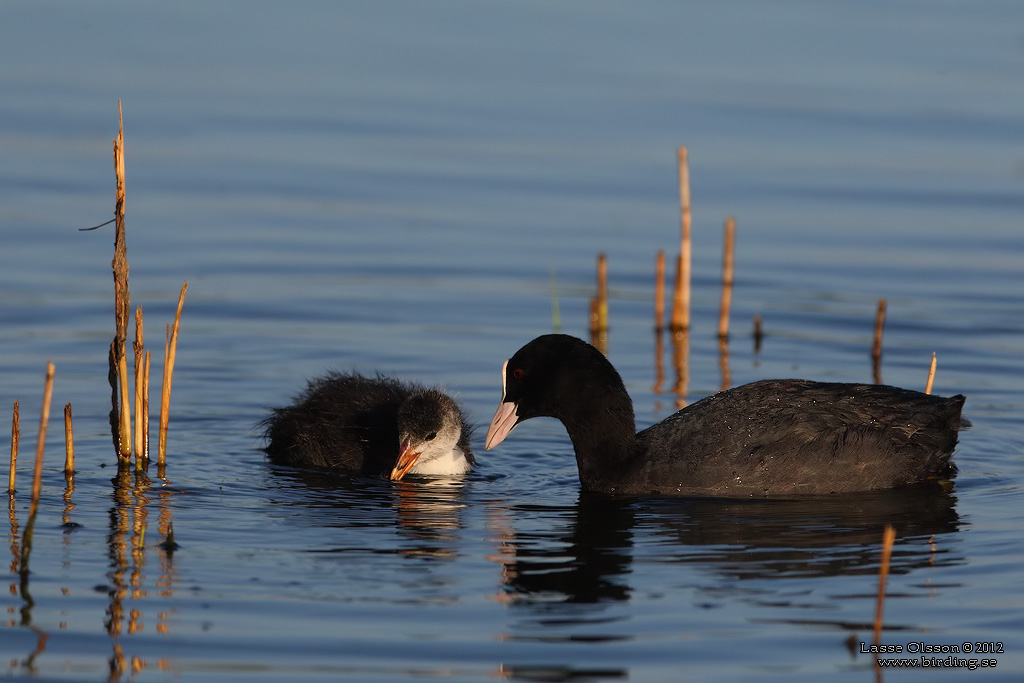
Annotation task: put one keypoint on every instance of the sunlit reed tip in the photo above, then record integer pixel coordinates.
(15, 437)
(931, 375)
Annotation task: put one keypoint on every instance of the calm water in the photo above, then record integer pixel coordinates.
(396, 188)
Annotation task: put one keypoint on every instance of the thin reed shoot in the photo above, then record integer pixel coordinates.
(170, 350)
(15, 437)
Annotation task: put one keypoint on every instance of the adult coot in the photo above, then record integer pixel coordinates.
(770, 438)
(370, 425)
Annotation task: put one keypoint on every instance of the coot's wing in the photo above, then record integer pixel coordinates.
(790, 437)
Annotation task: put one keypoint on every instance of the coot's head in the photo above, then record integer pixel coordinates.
(558, 376)
(429, 427)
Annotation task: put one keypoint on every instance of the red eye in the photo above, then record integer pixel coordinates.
(518, 373)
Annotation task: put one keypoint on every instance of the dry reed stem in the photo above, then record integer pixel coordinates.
(165, 397)
(888, 537)
(15, 437)
(137, 347)
(44, 419)
(122, 300)
(728, 259)
(681, 302)
(144, 448)
(659, 291)
(124, 408)
(602, 292)
(164, 391)
(931, 375)
(876, 352)
(69, 443)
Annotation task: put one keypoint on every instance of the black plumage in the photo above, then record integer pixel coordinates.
(769, 438)
(356, 424)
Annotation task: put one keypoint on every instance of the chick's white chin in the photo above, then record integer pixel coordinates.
(448, 462)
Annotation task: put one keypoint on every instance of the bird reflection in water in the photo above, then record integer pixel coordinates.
(583, 556)
(429, 513)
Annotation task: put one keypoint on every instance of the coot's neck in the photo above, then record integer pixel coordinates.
(603, 433)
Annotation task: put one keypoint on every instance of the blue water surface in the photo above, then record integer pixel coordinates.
(414, 188)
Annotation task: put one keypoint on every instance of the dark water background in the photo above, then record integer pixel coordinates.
(393, 187)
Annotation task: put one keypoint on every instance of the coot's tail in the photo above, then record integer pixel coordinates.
(939, 435)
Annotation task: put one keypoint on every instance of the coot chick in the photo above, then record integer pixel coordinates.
(362, 425)
(773, 438)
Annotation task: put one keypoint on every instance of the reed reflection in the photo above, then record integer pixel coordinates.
(14, 538)
(133, 494)
(19, 586)
(20, 547)
(659, 365)
(680, 358)
(65, 518)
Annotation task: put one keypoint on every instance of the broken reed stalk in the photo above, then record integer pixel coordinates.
(15, 436)
(602, 292)
(144, 447)
(170, 349)
(876, 352)
(137, 347)
(727, 276)
(931, 375)
(888, 537)
(681, 302)
(122, 300)
(69, 443)
(44, 420)
(659, 291)
(37, 481)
